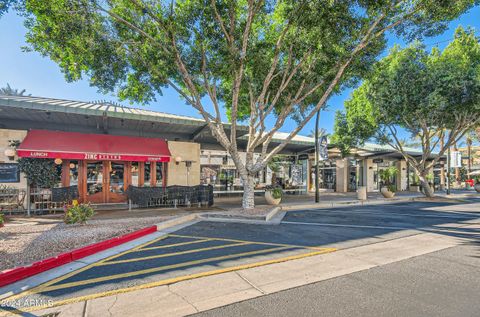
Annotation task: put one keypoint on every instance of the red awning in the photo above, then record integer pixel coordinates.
(82, 146)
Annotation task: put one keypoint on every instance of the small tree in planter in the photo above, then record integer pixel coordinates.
(415, 184)
(386, 177)
(273, 195)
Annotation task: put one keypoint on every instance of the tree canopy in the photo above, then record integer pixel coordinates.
(430, 95)
(251, 59)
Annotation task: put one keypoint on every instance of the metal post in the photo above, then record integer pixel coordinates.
(29, 204)
(317, 192)
(448, 170)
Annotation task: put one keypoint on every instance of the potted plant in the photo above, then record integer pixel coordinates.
(477, 184)
(273, 195)
(386, 176)
(415, 185)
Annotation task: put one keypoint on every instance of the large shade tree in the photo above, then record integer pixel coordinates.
(432, 96)
(258, 61)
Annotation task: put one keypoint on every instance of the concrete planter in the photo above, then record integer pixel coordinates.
(477, 187)
(414, 188)
(271, 200)
(362, 193)
(386, 193)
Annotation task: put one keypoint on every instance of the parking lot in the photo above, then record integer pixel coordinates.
(208, 248)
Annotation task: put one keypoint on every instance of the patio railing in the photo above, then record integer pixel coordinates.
(171, 196)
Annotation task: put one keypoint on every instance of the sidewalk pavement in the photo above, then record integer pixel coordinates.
(197, 295)
(327, 200)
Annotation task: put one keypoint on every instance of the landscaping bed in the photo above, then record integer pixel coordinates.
(26, 240)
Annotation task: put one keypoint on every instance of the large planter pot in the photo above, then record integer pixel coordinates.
(414, 188)
(477, 187)
(387, 193)
(270, 199)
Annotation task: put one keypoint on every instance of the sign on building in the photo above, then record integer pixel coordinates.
(455, 159)
(322, 148)
(9, 173)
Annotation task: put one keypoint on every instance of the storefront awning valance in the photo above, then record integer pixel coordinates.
(82, 146)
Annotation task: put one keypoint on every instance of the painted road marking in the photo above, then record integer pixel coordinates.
(251, 242)
(338, 225)
(38, 289)
(426, 229)
(158, 269)
(174, 280)
(173, 254)
(462, 215)
(49, 286)
(175, 245)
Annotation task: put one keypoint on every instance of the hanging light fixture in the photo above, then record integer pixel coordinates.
(10, 153)
(72, 165)
(178, 159)
(58, 161)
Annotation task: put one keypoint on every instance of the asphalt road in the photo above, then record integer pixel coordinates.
(443, 283)
(208, 247)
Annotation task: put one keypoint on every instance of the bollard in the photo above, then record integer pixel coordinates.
(362, 193)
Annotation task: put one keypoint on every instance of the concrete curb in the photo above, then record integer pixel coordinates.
(176, 222)
(19, 273)
(274, 217)
(336, 204)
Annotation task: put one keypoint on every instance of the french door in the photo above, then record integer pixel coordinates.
(106, 181)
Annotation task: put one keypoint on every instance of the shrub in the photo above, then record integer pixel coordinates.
(1, 220)
(276, 191)
(78, 213)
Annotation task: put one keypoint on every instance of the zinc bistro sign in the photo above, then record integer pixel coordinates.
(103, 157)
(92, 156)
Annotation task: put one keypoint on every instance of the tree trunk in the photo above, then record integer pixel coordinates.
(457, 170)
(442, 171)
(248, 200)
(427, 190)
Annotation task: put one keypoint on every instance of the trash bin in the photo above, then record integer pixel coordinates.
(362, 192)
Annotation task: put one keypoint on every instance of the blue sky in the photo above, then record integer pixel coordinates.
(42, 77)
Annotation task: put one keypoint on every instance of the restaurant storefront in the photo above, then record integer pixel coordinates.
(102, 166)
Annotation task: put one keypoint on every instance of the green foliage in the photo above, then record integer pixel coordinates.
(95, 38)
(276, 191)
(39, 172)
(2, 221)
(387, 176)
(418, 91)
(78, 213)
(415, 181)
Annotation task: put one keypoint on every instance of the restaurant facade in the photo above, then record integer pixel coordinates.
(103, 148)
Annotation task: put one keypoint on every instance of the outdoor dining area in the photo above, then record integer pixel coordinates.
(11, 199)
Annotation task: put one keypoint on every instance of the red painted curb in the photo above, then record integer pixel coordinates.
(13, 275)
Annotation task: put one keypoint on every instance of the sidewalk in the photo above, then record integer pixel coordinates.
(292, 202)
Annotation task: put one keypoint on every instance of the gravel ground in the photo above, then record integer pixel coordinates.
(26, 240)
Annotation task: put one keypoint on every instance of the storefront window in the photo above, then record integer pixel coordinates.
(148, 174)
(116, 178)
(159, 174)
(58, 175)
(94, 178)
(135, 173)
(73, 173)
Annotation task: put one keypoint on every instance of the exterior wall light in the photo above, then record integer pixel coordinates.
(178, 159)
(72, 165)
(10, 153)
(58, 161)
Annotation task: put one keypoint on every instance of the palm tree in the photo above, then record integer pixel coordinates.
(9, 91)
(321, 132)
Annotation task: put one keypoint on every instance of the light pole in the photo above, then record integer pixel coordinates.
(448, 170)
(317, 193)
